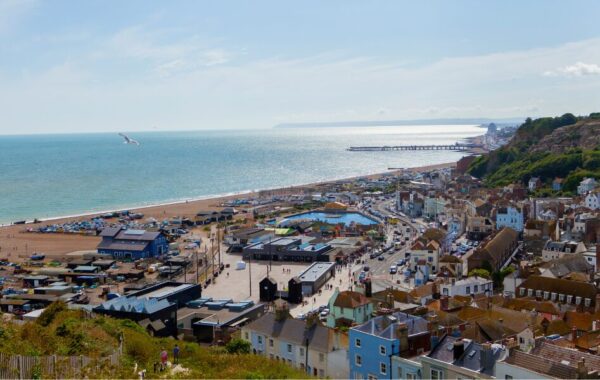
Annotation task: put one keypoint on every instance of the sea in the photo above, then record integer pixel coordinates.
(48, 176)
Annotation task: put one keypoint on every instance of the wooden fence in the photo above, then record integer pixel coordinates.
(55, 366)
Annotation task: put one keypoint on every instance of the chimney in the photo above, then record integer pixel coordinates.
(486, 357)
(458, 349)
(282, 310)
(444, 303)
(581, 369)
(402, 335)
(433, 324)
(574, 335)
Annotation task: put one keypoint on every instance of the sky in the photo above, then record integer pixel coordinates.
(104, 66)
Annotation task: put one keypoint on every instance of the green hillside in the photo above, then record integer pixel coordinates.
(69, 333)
(567, 147)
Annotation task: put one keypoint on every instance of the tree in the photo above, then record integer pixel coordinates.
(50, 313)
(479, 272)
(237, 346)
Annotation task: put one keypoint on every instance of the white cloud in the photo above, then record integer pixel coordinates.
(578, 69)
(192, 83)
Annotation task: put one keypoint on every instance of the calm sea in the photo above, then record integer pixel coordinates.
(45, 176)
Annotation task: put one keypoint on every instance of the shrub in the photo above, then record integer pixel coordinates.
(237, 346)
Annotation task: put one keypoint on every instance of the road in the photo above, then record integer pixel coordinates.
(380, 269)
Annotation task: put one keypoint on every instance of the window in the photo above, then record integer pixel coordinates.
(301, 351)
(372, 377)
(588, 302)
(436, 374)
(561, 297)
(521, 340)
(321, 357)
(259, 339)
(475, 288)
(468, 290)
(357, 342)
(270, 342)
(358, 360)
(382, 350)
(569, 299)
(399, 374)
(289, 348)
(383, 368)
(246, 336)
(530, 292)
(522, 291)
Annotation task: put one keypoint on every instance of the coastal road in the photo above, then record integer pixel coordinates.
(380, 269)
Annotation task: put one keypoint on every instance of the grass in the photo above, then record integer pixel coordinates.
(70, 332)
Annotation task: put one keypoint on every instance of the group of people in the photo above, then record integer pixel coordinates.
(286, 270)
(164, 358)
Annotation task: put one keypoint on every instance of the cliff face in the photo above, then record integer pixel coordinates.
(585, 135)
(566, 147)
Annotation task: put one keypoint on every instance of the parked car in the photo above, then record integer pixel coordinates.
(380, 258)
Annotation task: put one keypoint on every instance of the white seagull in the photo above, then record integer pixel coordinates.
(128, 140)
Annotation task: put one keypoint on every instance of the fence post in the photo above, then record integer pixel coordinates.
(54, 366)
(20, 366)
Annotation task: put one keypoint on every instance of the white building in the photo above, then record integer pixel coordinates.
(467, 287)
(509, 217)
(434, 206)
(586, 185)
(557, 249)
(592, 200)
(429, 253)
(317, 350)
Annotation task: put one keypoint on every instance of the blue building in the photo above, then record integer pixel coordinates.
(374, 344)
(509, 217)
(132, 244)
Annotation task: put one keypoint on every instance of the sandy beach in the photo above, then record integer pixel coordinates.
(17, 245)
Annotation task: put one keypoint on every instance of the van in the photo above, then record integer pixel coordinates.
(393, 269)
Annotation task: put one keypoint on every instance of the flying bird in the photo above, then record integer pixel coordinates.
(128, 140)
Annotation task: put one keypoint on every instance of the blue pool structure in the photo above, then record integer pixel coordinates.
(334, 217)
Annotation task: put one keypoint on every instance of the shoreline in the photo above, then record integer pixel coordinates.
(216, 197)
(16, 245)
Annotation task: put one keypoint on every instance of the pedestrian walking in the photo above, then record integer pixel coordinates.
(164, 356)
(176, 354)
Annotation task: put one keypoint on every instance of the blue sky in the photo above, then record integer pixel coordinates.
(86, 66)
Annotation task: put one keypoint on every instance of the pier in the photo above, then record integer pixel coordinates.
(455, 147)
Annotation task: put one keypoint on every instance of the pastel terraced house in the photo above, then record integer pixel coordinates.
(348, 308)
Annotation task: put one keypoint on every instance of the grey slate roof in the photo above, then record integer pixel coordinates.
(385, 327)
(293, 331)
(471, 358)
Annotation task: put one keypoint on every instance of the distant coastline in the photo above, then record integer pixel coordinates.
(394, 123)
